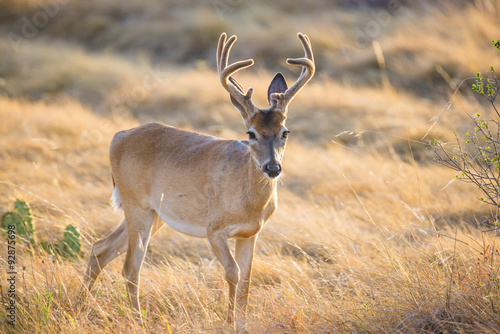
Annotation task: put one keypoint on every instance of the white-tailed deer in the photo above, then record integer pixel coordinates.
(201, 185)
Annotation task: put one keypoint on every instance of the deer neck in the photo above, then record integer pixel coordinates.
(258, 181)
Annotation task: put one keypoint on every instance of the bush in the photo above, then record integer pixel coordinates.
(477, 157)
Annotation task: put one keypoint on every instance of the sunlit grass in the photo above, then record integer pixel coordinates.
(370, 234)
(379, 247)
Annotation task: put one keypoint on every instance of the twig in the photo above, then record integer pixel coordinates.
(448, 293)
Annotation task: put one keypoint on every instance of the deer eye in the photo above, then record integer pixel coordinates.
(251, 135)
(285, 134)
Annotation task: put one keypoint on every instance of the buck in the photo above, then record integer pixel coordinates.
(200, 185)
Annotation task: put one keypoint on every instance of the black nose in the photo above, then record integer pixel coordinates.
(273, 169)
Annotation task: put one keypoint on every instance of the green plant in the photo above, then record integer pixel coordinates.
(69, 247)
(477, 154)
(22, 219)
(44, 303)
(72, 242)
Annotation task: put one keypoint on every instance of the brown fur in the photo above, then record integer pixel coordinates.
(199, 185)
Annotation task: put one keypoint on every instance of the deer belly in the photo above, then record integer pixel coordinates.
(186, 227)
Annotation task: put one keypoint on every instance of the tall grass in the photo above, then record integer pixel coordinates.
(370, 235)
(379, 247)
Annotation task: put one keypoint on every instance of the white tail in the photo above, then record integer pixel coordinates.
(200, 185)
(115, 200)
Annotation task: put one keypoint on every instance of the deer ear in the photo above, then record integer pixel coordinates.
(238, 106)
(235, 103)
(278, 85)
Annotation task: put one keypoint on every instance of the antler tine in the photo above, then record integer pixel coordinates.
(308, 69)
(223, 51)
(230, 84)
(220, 46)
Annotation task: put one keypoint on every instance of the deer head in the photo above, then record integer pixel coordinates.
(267, 133)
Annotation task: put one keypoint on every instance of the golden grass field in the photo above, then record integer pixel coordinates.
(370, 235)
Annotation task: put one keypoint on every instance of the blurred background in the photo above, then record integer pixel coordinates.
(154, 60)
(392, 76)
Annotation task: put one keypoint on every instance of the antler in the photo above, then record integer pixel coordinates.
(230, 84)
(308, 68)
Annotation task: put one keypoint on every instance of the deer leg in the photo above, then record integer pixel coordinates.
(220, 247)
(104, 251)
(244, 251)
(139, 225)
(107, 249)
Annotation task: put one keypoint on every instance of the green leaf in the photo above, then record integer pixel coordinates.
(72, 241)
(11, 218)
(478, 86)
(24, 209)
(22, 220)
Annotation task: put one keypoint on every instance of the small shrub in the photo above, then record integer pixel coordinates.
(477, 158)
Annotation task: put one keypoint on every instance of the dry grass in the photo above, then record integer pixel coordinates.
(369, 235)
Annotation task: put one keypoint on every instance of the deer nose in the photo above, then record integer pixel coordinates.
(273, 169)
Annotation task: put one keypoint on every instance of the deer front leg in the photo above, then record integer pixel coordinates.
(220, 247)
(244, 252)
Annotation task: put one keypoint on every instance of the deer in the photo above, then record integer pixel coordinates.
(201, 185)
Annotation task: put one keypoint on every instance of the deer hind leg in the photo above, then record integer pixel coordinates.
(104, 251)
(218, 242)
(244, 251)
(140, 225)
